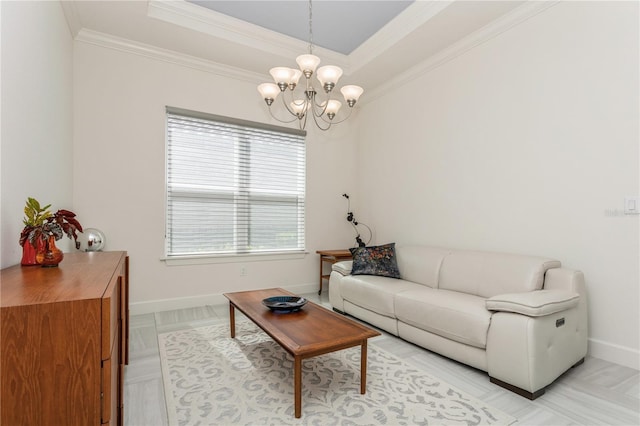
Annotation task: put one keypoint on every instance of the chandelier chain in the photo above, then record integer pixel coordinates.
(310, 28)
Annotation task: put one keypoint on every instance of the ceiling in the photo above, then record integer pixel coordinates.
(372, 40)
(340, 26)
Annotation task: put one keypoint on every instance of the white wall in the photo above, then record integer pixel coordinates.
(119, 166)
(527, 143)
(37, 142)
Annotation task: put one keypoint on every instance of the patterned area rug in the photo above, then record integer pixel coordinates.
(211, 379)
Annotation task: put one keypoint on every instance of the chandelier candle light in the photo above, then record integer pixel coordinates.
(301, 105)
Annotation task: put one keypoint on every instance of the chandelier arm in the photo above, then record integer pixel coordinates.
(322, 107)
(340, 121)
(292, 112)
(282, 121)
(320, 113)
(326, 102)
(318, 124)
(295, 117)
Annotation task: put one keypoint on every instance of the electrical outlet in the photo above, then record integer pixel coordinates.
(631, 205)
(243, 271)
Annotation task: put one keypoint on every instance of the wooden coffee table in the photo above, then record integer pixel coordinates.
(310, 332)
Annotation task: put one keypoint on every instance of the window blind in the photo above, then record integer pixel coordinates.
(233, 187)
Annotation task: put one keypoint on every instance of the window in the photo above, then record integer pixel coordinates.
(233, 186)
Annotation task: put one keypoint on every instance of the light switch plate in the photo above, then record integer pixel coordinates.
(632, 205)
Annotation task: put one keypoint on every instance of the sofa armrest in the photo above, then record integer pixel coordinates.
(534, 303)
(344, 267)
(530, 352)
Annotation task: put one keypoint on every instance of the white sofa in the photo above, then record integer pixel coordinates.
(522, 319)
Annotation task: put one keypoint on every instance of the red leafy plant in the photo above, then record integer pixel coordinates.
(40, 224)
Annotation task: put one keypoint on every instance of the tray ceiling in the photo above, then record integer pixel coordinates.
(382, 39)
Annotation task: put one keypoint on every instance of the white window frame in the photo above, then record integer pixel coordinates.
(243, 197)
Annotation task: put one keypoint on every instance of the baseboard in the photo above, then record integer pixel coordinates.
(159, 305)
(614, 353)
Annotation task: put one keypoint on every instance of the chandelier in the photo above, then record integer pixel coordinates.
(308, 102)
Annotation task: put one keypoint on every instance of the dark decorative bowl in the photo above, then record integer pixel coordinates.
(284, 304)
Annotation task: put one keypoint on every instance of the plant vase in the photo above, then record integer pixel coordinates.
(29, 253)
(50, 255)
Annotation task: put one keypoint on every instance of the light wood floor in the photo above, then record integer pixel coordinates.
(596, 393)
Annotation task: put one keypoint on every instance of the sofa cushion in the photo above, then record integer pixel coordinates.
(420, 264)
(457, 316)
(488, 274)
(375, 260)
(374, 293)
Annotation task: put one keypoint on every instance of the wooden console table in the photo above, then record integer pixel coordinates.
(331, 257)
(65, 341)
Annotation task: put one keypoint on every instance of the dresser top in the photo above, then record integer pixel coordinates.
(79, 276)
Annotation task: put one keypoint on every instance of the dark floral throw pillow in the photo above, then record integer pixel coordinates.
(376, 260)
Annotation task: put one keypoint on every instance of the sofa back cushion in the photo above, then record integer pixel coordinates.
(488, 274)
(420, 264)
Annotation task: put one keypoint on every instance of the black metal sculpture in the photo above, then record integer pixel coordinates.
(352, 220)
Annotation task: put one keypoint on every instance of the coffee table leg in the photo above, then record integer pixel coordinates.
(297, 386)
(363, 367)
(232, 320)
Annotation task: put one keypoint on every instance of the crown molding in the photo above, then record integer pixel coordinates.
(484, 34)
(504, 23)
(198, 18)
(124, 45)
(401, 26)
(71, 15)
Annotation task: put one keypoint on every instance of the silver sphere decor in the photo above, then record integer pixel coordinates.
(91, 239)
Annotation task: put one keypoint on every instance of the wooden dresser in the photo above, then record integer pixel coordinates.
(64, 341)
